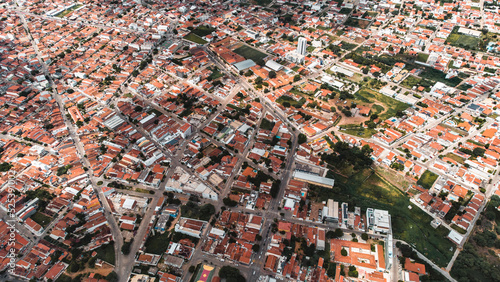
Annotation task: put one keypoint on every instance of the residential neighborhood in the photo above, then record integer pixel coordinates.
(252, 140)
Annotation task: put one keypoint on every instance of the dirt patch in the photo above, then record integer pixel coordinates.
(396, 179)
(172, 226)
(104, 270)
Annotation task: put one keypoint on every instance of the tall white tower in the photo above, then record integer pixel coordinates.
(301, 46)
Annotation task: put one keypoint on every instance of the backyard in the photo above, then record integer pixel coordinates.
(367, 189)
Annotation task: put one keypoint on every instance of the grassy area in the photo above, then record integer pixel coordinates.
(107, 253)
(458, 229)
(356, 78)
(391, 105)
(377, 109)
(291, 102)
(158, 243)
(354, 22)
(41, 219)
(422, 57)
(194, 38)
(366, 189)
(216, 73)
(410, 81)
(357, 130)
(347, 45)
(203, 30)
(67, 11)
(455, 158)
(251, 53)
(462, 40)
(266, 124)
(439, 76)
(263, 2)
(427, 179)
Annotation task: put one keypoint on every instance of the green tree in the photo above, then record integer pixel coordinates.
(302, 138)
(112, 277)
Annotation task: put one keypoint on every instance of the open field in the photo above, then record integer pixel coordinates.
(391, 106)
(357, 130)
(366, 189)
(68, 11)
(422, 57)
(106, 253)
(291, 102)
(455, 158)
(355, 22)
(194, 38)
(427, 179)
(41, 219)
(251, 53)
(158, 243)
(203, 30)
(462, 40)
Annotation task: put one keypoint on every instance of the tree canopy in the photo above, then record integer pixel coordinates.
(345, 155)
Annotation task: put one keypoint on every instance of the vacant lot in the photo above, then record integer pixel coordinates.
(203, 30)
(106, 253)
(422, 57)
(41, 219)
(366, 189)
(427, 179)
(357, 130)
(391, 106)
(355, 22)
(287, 102)
(251, 53)
(195, 38)
(462, 40)
(158, 243)
(68, 11)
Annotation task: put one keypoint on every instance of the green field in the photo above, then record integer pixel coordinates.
(203, 30)
(266, 124)
(158, 243)
(439, 76)
(455, 158)
(357, 130)
(410, 81)
(427, 179)
(41, 219)
(67, 11)
(377, 109)
(251, 53)
(285, 99)
(391, 105)
(422, 57)
(195, 38)
(368, 190)
(107, 253)
(355, 22)
(462, 40)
